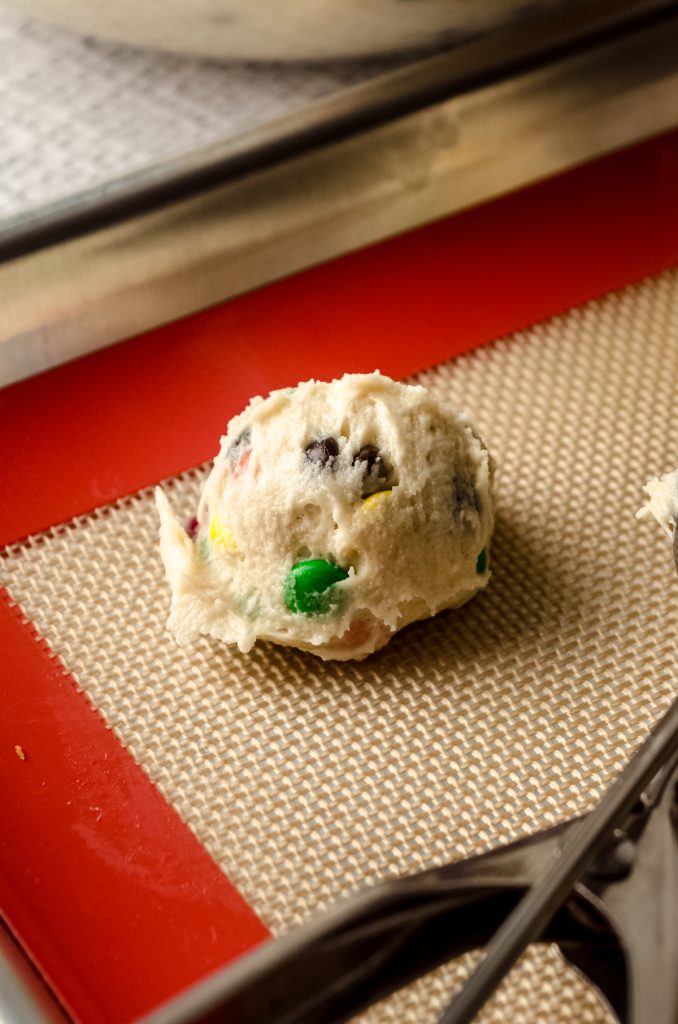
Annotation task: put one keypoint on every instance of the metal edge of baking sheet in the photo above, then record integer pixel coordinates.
(24, 998)
(62, 300)
(414, 85)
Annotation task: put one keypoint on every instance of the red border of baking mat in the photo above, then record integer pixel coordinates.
(117, 902)
(102, 881)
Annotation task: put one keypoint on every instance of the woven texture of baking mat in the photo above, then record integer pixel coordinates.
(305, 780)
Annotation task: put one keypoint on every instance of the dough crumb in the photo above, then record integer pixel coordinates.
(662, 505)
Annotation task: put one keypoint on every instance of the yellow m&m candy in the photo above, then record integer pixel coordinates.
(376, 499)
(222, 535)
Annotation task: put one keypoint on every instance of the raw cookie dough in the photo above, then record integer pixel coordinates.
(662, 504)
(335, 514)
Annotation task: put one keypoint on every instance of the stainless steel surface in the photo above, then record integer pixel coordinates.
(77, 112)
(299, 209)
(23, 997)
(405, 89)
(298, 29)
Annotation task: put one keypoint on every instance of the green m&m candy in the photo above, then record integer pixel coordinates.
(309, 587)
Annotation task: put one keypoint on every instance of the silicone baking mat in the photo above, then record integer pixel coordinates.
(305, 780)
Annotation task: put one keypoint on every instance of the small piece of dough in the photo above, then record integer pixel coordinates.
(662, 501)
(335, 514)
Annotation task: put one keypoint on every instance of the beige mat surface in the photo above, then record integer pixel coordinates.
(305, 779)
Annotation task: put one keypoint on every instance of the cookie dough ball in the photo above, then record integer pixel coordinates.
(335, 514)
